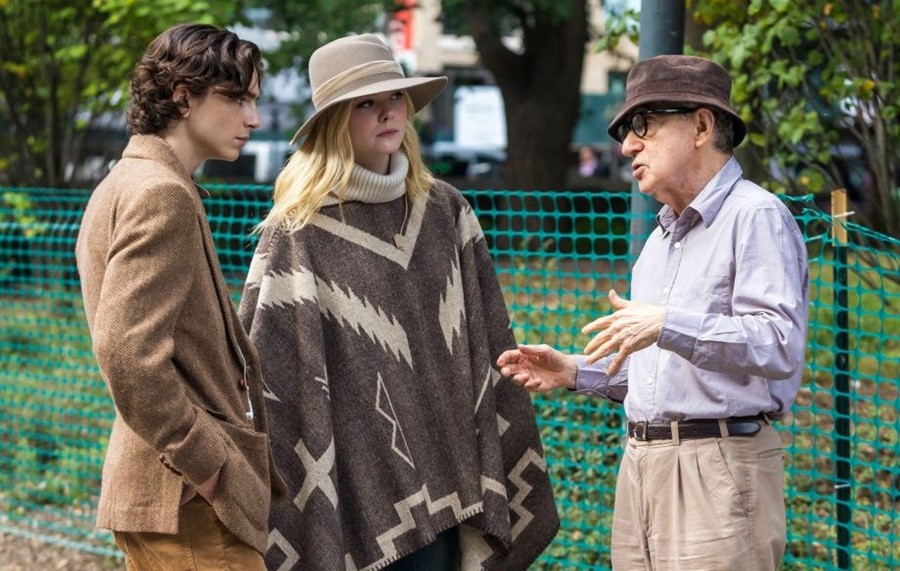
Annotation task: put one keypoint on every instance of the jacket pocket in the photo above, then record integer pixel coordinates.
(244, 482)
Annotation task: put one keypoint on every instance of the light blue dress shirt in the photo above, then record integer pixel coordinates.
(732, 274)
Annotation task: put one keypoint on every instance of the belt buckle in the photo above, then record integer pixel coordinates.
(639, 430)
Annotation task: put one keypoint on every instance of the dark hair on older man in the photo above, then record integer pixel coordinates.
(723, 132)
(197, 57)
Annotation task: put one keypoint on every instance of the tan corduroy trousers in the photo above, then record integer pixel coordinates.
(202, 544)
(702, 504)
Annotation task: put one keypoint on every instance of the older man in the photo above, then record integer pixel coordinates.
(710, 348)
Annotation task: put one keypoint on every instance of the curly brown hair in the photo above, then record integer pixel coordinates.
(197, 57)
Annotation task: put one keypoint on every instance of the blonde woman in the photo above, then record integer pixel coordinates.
(373, 302)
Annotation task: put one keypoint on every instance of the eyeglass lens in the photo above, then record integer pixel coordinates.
(639, 122)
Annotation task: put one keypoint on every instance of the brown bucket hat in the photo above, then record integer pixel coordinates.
(677, 80)
(354, 66)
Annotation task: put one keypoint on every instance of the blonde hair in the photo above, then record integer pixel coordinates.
(323, 165)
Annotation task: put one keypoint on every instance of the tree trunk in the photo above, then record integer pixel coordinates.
(541, 88)
(539, 133)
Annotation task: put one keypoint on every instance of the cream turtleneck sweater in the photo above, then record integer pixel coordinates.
(373, 188)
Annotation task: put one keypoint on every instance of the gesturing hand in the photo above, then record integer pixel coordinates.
(538, 368)
(632, 326)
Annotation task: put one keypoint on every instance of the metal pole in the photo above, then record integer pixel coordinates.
(843, 481)
(662, 32)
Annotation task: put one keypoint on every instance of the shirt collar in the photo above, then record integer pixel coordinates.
(707, 204)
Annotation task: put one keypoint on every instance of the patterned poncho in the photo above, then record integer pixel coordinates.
(389, 422)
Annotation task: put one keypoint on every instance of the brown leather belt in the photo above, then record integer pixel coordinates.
(704, 428)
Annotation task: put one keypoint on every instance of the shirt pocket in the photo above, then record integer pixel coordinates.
(715, 291)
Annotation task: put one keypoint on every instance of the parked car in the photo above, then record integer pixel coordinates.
(483, 164)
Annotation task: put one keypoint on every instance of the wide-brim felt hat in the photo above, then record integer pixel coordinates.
(678, 81)
(360, 65)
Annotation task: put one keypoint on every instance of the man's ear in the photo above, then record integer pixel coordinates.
(181, 97)
(704, 124)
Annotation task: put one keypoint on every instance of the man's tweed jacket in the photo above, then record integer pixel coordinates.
(172, 353)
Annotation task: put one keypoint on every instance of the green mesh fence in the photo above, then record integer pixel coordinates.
(557, 254)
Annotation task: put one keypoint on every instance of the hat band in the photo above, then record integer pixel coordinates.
(332, 87)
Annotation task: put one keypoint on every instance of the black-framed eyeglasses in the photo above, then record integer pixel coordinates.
(639, 122)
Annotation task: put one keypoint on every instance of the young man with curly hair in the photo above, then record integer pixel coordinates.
(188, 477)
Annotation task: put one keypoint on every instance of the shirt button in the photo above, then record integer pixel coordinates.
(649, 380)
(666, 289)
(677, 245)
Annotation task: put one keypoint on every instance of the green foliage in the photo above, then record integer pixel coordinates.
(17, 209)
(64, 65)
(813, 79)
(618, 26)
(19, 222)
(52, 436)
